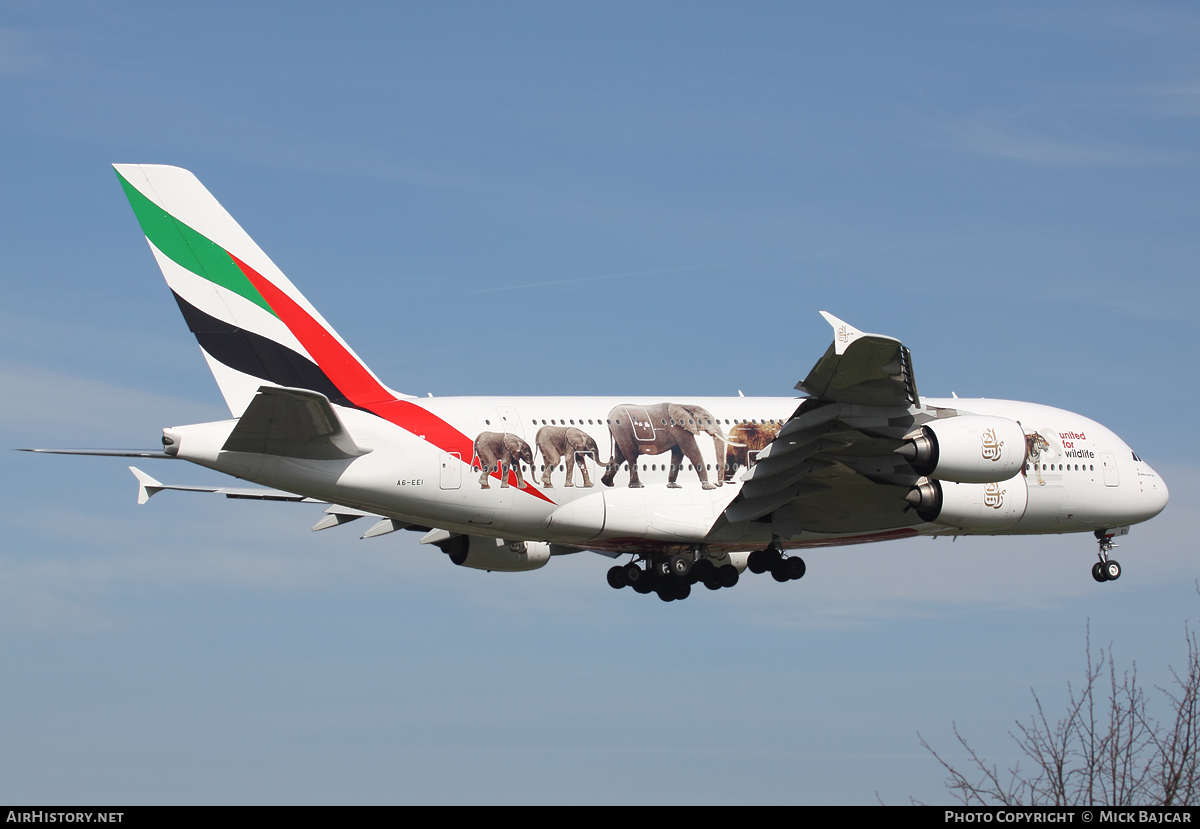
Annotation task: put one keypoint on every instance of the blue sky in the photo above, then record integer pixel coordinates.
(578, 199)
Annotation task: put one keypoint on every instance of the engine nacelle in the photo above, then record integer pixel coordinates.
(968, 449)
(495, 553)
(971, 506)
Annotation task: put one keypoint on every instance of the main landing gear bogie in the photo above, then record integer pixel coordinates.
(772, 560)
(672, 577)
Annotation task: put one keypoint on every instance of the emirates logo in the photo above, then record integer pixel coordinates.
(842, 334)
(993, 496)
(991, 446)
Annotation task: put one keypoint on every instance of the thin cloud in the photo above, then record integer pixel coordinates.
(1002, 135)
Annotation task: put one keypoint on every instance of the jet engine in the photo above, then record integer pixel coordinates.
(968, 449)
(971, 506)
(495, 553)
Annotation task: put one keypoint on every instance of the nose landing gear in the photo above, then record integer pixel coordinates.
(1105, 569)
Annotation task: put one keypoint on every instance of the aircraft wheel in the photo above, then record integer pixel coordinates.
(779, 572)
(643, 585)
(1112, 570)
(1098, 572)
(683, 590)
(666, 593)
(634, 574)
(794, 567)
(756, 563)
(727, 574)
(713, 582)
(662, 567)
(680, 565)
(616, 578)
(702, 571)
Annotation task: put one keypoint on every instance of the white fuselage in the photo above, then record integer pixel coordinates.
(1085, 478)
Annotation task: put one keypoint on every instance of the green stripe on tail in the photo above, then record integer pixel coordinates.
(188, 248)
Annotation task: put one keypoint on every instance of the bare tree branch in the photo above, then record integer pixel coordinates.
(1102, 751)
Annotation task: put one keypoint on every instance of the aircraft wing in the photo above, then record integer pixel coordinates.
(833, 466)
(294, 423)
(335, 515)
(148, 487)
(869, 369)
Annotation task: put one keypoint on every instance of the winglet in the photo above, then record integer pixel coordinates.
(147, 486)
(843, 333)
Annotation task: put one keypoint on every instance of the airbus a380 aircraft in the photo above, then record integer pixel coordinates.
(696, 489)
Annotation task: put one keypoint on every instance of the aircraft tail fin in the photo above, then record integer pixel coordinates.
(252, 324)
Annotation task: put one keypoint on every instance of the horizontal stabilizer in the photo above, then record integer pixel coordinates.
(104, 453)
(293, 423)
(148, 487)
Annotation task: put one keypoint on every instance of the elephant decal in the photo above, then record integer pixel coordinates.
(576, 445)
(662, 427)
(746, 440)
(500, 452)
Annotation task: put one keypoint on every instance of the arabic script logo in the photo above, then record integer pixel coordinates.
(993, 496)
(842, 334)
(991, 446)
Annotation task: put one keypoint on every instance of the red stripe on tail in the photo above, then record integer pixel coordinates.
(356, 383)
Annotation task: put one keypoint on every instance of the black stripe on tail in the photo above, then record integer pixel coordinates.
(257, 355)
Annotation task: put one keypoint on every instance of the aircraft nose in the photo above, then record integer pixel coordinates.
(1155, 494)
